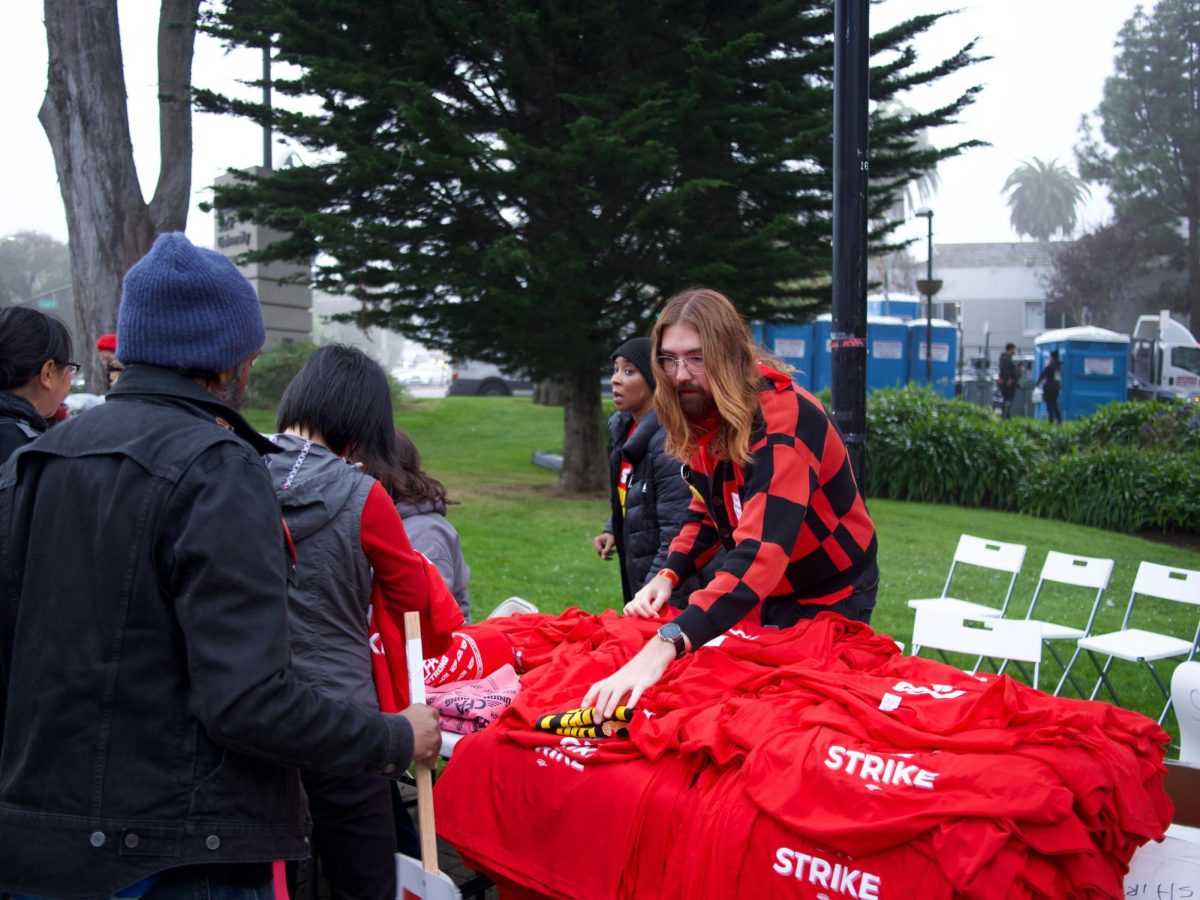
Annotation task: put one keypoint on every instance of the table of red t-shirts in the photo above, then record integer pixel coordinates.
(814, 762)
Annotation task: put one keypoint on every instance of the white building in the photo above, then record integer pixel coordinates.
(994, 292)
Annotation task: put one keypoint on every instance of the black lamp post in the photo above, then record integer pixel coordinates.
(928, 286)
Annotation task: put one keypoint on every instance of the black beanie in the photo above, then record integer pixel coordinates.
(637, 351)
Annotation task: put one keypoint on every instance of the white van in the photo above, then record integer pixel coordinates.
(469, 378)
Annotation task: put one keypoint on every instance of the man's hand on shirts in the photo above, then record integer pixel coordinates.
(632, 679)
(647, 602)
(427, 732)
(604, 544)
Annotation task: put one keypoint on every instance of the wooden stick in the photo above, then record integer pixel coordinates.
(424, 770)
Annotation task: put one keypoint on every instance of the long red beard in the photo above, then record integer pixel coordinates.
(697, 406)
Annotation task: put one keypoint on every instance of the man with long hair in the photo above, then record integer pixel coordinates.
(771, 483)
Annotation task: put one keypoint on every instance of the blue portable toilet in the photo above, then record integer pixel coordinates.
(887, 352)
(904, 307)
(822, 358)
(944, 353)
(1095, 368)
(793, 343)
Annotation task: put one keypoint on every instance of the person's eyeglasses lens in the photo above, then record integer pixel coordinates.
(671, 364)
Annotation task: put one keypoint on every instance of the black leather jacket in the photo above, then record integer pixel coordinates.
(148, 712)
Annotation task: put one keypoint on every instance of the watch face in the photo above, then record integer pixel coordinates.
(670, 631)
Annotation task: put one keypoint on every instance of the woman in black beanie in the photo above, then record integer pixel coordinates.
(35, 374)
(649, 496)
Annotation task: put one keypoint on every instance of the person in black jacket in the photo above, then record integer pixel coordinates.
(649, 495)
(1050, 381)
(150, 719)
(35, 374)
(1009, 380)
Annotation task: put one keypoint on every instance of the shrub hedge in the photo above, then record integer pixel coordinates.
(1128, 468)
(275, 368)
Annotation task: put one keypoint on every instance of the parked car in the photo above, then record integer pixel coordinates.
(422, 370)
(469, 378)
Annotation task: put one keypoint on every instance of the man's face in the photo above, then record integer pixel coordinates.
(682, 356)
(231, 387)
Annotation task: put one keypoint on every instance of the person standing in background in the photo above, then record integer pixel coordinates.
(1050, 381)
(35, 374)
(106, 349)
(649, 496)
(1010, 377)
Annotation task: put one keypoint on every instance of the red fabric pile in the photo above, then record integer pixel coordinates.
(814, 761)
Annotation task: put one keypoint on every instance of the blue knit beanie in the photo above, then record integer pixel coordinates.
(184, 307)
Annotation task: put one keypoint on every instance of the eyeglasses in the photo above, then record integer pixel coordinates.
(74, 367)
(671, 364)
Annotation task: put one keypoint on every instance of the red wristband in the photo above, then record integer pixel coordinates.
(670, 576)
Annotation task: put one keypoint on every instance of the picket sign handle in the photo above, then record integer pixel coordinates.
(424, 770)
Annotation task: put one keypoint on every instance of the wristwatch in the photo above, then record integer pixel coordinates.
(673, 634)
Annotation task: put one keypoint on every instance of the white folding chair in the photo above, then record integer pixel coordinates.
(1139, 646)
(1185, 698)
(511, 606)
(981, 636)
(1074, 571)
(981, 553)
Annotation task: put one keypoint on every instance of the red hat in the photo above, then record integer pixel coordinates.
(107, 342)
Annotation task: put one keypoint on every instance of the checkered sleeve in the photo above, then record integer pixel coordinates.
(696, 542)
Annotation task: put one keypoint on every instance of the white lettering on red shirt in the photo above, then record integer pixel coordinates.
(936, 691)
(819, 872)
(880, 769)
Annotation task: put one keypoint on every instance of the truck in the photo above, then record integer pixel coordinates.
(1165, 355)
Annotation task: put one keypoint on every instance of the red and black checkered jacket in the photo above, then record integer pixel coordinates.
(792, 521)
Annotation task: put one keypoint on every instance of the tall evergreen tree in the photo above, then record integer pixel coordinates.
(526, 182)
(1150, 124)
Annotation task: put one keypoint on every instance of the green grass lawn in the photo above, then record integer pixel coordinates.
(519, 537)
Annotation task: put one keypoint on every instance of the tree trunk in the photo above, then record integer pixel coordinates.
(549, 392)
(85, 117)
(584, 470)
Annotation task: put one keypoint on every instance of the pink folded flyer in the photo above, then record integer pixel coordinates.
(470, 706)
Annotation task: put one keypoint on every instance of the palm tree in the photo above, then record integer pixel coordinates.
(1043, 198)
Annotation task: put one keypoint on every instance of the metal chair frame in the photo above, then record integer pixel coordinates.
(1075, 571)
(1138, 645)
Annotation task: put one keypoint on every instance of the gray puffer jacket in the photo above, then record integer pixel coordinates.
(431, 534)
(322, 500)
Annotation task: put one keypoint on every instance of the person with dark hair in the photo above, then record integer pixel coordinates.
(351, 551)
(772, 485)
(422, 502)
(106, 349)
(157, 756)
(649, 497)
(1009, 379)
(1050, 381)
(35, 374)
